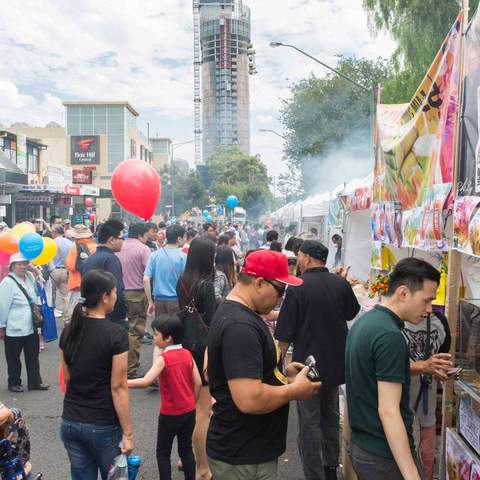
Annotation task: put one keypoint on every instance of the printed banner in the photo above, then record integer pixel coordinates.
(335, 213)
(415, 141)
(469, 168)
(466, 225)
(386, 223)
(361, 199)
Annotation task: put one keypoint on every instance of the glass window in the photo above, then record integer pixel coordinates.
(86, 110)
(100, 110)
(115, 110)
(73, 110)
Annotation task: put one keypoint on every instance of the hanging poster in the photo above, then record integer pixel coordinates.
(463, 213)
(433, 216)
(415, 141)
(413, 228)
(459, 458)
(377, 221)
(335, 213)
(376, 255)
(469, 168)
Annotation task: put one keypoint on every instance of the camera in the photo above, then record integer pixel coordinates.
(312, 374)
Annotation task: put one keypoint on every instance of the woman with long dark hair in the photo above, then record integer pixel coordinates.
(94, 354)
(196, 296)
(225, 275)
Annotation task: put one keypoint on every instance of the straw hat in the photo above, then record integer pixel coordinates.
(79, 231)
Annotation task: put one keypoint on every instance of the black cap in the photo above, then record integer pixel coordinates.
(315, 249)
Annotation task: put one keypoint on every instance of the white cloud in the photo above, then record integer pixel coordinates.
(142, 52)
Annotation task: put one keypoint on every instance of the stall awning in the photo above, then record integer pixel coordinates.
(10, 173)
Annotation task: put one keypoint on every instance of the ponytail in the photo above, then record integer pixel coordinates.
(74, 334)
(94, 285)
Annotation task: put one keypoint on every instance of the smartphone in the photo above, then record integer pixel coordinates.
(454, 372)
(313, 374)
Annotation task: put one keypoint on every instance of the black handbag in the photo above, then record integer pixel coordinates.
(37, 315)
(195, 330)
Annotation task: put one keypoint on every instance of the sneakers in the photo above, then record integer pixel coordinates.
(42, 387)
(16, 388)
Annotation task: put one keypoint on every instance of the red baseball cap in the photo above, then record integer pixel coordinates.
(270, 265)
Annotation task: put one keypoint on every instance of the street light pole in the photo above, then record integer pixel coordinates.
(280, 44)
(272, 131)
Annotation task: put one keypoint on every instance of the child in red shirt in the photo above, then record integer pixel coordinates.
(180, 385)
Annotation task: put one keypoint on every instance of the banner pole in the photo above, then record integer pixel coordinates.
(454, 258)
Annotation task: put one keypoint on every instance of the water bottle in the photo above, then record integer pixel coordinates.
(134, 462)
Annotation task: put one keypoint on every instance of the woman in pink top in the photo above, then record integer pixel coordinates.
(180, 385)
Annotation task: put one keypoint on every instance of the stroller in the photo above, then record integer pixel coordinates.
(11, 467)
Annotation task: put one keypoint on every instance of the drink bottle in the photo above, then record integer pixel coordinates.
(134, 462)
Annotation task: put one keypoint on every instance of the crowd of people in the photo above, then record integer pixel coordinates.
(244, 320)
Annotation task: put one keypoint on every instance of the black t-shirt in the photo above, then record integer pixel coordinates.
(240, 346)
(314, 318)
(89, 397)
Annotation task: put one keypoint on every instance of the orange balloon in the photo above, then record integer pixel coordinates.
(8, 243)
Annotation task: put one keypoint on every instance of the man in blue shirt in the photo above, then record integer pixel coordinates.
(164, 267)
(58, 272)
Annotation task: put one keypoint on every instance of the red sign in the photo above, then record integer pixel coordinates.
(71, 190)
(82, 177)
(361, 199)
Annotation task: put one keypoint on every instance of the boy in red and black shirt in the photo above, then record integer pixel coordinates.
(180, 384)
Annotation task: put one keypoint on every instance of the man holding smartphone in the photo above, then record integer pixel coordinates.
(378, 376)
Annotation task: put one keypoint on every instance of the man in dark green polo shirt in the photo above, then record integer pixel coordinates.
(378, 376)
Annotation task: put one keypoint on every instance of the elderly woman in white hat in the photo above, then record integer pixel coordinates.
(17, 290)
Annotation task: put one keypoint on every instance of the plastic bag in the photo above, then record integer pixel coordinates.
(119, 469)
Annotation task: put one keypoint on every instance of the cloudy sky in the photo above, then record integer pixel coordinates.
(57, 50)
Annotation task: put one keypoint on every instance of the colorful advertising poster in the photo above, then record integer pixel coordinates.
(377, 221)
(465, 231)
(469, 169)
(413, 228)
(85, 150)
(415, 141)
(22, 152)
(434, 221)
(335, 213)
(460, 460)
(376, 255)
(361, 199)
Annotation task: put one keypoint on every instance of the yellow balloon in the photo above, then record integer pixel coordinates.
(22, 228)
(48, 253)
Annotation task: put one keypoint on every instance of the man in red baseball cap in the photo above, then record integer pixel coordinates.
(248, 429)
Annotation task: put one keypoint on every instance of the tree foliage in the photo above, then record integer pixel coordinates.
(419, 27)
(321, 113)
(182, 188)
(231, 172)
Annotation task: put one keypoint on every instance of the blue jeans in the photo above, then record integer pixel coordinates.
(90, 448)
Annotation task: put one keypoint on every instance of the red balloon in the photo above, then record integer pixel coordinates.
(136, 187)
(89, 202)
(92, 217)
(4, 258)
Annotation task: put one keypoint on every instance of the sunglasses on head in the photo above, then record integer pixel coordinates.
(279, 288)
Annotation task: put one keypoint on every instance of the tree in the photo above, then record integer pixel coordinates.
(182, 188)
(231, 172)
(324, 113)
(419, 27)
(289, 185)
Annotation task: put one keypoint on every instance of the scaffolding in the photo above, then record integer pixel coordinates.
(197, 98)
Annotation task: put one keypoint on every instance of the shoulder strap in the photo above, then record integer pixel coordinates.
(30, 301)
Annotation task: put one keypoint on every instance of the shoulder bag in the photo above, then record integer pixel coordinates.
(37, 316)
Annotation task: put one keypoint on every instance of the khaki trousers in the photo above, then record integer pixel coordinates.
(136, 301)
(60, 279)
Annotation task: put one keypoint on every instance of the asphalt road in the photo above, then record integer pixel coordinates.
(43, 411)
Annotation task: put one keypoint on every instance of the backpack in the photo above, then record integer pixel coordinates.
(83, 252)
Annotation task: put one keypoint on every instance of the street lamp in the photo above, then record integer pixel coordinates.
(281, 44)
(272, 131)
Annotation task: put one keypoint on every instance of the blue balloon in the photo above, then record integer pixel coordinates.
(232, 201)
(31, 245)
(208, 218)
(205, 212)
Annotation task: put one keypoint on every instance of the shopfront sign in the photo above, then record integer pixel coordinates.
(87, 190)
(71, 190)
(6, 199)
(35, 198)
(361, 199)
(85, 150)
(41, 187)
(83, 177)
(22, 152)
(64, 201)
(59, 175)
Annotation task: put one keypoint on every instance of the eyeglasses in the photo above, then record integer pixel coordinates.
(281, 289)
